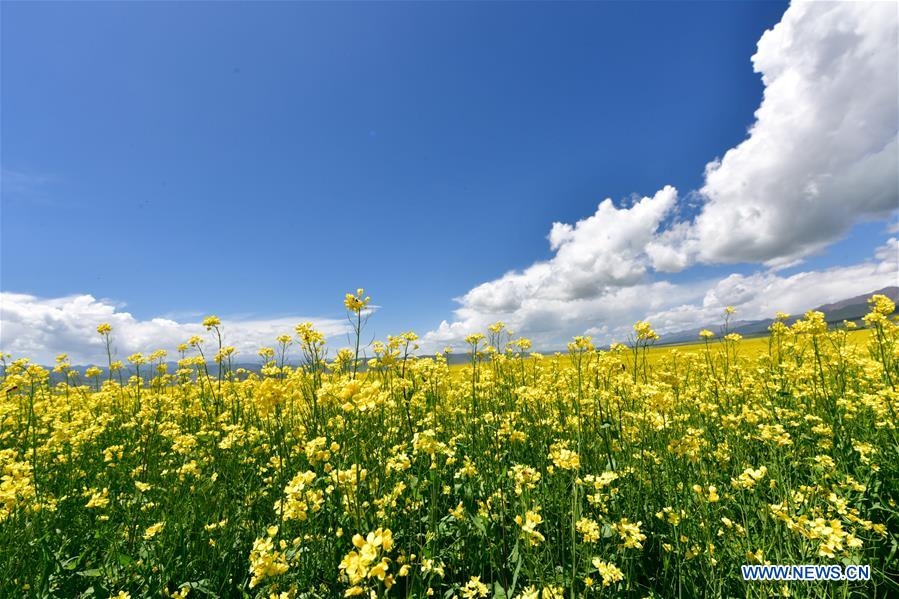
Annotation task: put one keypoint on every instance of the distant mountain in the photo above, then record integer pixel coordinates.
(852, 308)
(853, 304)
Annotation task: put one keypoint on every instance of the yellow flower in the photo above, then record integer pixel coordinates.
(563, 457)
(265, 561)
(580, 344)
(152, 531)
(98, 499)
(356, 303)
(748, 478)
(526, 478)
(458, 512)
(475, 588)
(630, 534)
(882, 304)
(532, 519)
(589, 529)
(644, 331)
(609, 572)
(369, 560)
(474, 338)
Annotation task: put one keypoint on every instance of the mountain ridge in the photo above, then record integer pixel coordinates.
(852, 308)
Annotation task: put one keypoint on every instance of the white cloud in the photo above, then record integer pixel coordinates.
(761, 294)
(602, 251)
(821, 156)
(822, 153)
(41, 328)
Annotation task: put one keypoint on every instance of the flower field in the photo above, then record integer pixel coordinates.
(371, 472)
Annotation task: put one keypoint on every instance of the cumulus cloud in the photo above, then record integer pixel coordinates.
(599, 252)
(41, 328)
(821, 156)
(822, 153)
(597, 262)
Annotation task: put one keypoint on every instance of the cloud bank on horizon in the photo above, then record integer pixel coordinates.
(820, 157)
(42, 328)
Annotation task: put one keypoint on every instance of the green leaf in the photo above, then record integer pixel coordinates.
(92, 573)
(124, 560)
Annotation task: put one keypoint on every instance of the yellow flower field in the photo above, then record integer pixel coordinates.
(637, 471)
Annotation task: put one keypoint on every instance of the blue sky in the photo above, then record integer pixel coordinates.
(258, 160)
